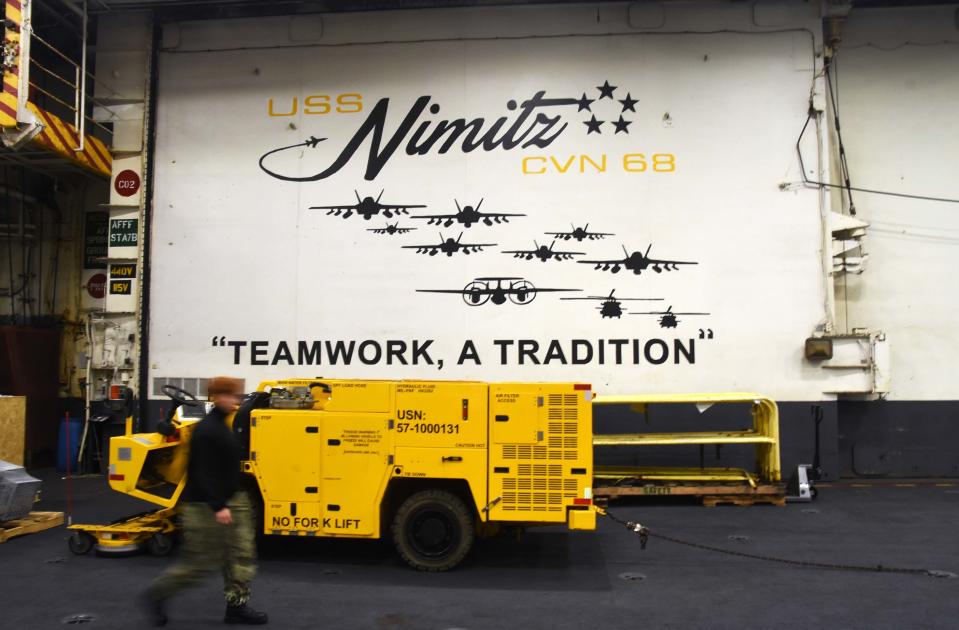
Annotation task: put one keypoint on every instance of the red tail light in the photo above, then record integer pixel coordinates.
(117, 477)
(582, 501)
(582, 387)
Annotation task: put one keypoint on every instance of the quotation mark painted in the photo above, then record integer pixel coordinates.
(706, 334)
(222, 341)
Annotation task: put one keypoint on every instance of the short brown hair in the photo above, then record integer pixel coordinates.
(224, 385)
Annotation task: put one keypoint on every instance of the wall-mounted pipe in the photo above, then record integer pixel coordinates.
(70, 5)
(13, 302)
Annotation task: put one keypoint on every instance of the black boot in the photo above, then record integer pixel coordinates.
(154, 609)
(245, 615)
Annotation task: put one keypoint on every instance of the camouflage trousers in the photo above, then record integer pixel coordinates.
(208, 546)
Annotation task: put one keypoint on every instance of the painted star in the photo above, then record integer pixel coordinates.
(606, 90)
(622, 124)
(584, 103)
(629, 103)
(593, 125)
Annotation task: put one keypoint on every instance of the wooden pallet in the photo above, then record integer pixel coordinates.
(743, 499)
(34, 522)
(712, 494)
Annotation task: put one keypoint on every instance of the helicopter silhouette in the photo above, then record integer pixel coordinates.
(497, 290)
(367, 207)
(467, 216)
(391, 228)
(449, 246)
(542, 252)
(667, 318)
(612, 306)
(579, 233)
(636, 262)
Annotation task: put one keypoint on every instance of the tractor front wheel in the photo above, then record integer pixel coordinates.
(80, 542)
(433, 530)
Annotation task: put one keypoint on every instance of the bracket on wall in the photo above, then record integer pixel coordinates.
(848, 254)
(860, 361)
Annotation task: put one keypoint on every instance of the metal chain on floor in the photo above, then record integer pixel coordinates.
(644, 534)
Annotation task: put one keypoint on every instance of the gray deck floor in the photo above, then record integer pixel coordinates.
(552, 578)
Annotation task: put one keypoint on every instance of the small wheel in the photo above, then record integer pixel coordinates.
(160, 544)
(433, 530)
(80, 542)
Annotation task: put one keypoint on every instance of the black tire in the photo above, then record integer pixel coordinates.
(433, 530)
(80, 542)
(160, 544)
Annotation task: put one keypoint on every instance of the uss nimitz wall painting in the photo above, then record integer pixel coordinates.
(467, 215)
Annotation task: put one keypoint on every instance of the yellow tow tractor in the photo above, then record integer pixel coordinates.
(430, 464)
(154, 530)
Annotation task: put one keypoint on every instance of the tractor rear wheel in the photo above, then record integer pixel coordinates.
(433, 530)
(160, 544)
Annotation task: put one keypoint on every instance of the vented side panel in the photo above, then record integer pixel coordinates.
(540, 482)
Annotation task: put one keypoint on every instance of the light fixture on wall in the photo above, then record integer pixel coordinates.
(17, 137)
(818, 349)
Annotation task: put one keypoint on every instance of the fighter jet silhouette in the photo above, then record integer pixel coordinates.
(367, 207)
(580, 233)
(449, 246)
(542, 252)
(467, 216)
(637, 262)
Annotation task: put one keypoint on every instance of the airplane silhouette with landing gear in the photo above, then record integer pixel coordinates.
(391, 228)
(497, 290)
(543, 253)
(580, 233)
(637, 262)
(449, 246)
(367, 207)
(467, 216)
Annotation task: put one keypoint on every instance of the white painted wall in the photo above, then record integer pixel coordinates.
(238, 254)
(898, 94)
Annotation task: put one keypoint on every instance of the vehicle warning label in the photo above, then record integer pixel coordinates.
(361, 441)
(309, 523)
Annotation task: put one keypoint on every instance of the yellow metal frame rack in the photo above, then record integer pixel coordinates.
(764, 435)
